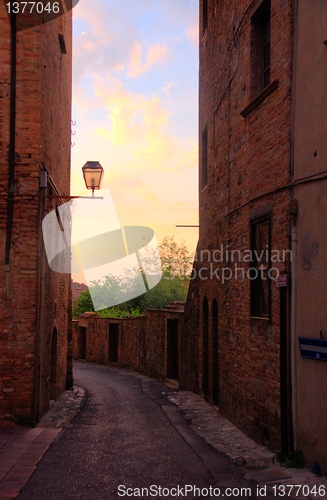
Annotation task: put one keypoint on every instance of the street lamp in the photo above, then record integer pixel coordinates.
(93, 175)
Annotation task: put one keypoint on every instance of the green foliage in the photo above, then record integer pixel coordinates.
(294, 459)
(176, 263)
(82, 304)
(170, 288)
(116, 312)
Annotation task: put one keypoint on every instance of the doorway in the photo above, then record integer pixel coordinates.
(82, 342)
(215, 354)
(172, 348)
(53, 368)
(113, 344)
(205, 348)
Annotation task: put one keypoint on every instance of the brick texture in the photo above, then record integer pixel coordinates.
(248, 167)
(142, 341)
(34, 302)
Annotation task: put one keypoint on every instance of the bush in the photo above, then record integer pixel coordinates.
(176, 263)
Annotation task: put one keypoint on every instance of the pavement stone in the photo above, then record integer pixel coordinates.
(258, 462)
(64, 409)
(22, 448)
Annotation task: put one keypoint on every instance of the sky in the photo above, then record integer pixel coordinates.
(135, 108)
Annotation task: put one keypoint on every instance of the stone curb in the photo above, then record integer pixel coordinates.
(258, 462)
(219, 432)
(64, 409)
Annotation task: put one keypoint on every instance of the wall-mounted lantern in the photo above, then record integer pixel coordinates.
(93, 175)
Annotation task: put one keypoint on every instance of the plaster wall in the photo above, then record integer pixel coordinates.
(310, 159)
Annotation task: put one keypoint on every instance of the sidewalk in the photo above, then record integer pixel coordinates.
(257, 461)
(22, 448)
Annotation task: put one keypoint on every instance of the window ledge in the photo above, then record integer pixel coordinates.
(259, 98)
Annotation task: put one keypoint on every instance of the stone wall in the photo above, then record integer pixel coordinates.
(150, 344)
(35, 308)
(248, 171)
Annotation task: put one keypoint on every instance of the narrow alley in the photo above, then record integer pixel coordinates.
(129, 436)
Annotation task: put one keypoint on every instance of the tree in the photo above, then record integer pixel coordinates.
(176, 263)
(82, 304)
(175, 258)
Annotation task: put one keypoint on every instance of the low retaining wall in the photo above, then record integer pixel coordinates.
(149, 344)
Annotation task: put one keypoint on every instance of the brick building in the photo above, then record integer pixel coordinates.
(35, 132)
(262, 123)
(77, 289)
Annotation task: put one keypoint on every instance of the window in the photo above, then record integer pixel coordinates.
(260, 48)
(62, 44)
(204, 16)
(204, 158)
(260, 265)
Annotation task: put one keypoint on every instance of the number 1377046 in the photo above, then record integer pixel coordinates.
(299, 490)
(33, 7)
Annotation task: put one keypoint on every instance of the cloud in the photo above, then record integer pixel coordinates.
(135, 103)
(154, 55)
(136, 122)
(108, 38)
(193, 34)
(167, 86)
(103, 38)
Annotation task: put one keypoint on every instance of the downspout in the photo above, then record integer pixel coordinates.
(12, 148)
(293, 344)
(39, 321)
(293, 331)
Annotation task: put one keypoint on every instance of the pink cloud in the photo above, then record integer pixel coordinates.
(154, 55)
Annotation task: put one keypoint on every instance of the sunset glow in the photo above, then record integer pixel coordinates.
(135, 109)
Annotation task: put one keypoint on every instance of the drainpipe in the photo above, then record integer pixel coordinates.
(39, 320)
(293, 339)
(293, 333)
(12, 148)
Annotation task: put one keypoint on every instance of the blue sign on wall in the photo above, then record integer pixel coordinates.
(313, 348)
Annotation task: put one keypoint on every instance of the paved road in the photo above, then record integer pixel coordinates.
(128, 435)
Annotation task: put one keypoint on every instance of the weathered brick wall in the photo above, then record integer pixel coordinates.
(190, 340)
(96, 339)
(131, 332)
(74, 344)
(142, 341)
(248, 158)
(131, 342)
(154, 352)
(34, 302)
